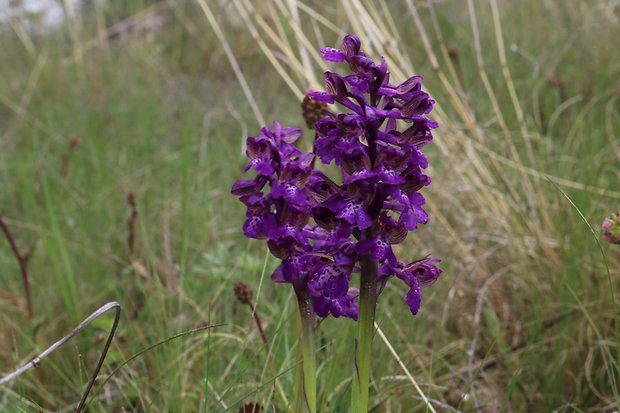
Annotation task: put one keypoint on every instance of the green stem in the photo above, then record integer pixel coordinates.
(365, 325)
(299, 371)
(306, 338)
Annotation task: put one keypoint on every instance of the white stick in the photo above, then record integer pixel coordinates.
(36, 362)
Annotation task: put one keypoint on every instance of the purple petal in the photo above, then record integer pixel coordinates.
(322, 97)
(247, 186)
(330, 280)
(414, 298)
(346, 306)
(332, 55)
(378, 249)
(338, 286)
(416, 215)
(360, 64)
(264, 167)
(320, 187)
(277, 276)
(253, 227)
(334, 85)
(322, 306)
(358, 83)
(390, 176)
(409, 84)
(351, 45)
(292, 195)
(418, 104)
(425, 271)
(295, 267)
(258, 147)
(290, 135)
(354, 213)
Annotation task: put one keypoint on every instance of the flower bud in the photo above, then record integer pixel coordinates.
(611, 228)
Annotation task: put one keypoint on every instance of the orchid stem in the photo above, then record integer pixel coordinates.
(367, 306)
(306, 339)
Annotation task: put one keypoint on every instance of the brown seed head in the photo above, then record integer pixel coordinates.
(556, 81)
(312, 110)
(453, 53)
(243, 292)
(251, 408)
(131, 200)
(74, 141)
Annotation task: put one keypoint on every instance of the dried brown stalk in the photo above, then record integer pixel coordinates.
(74, 141)
(131, 224)
(22, 260)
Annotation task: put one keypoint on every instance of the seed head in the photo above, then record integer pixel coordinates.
(74, 140)
(313, 110)
(243, 292)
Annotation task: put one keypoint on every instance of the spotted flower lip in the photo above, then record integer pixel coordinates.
(340, 307)
(321, 227)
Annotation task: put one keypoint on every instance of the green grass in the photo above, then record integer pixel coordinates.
(522, 319)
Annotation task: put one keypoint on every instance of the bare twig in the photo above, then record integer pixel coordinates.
(243, 293)
(22, 260)
(259, 325)
(131, 224)
(36, 362)
(73, 142)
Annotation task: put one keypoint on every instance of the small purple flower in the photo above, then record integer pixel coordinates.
(330, 280)
(425, 271)
(349, 209)
(341, 307)
(417, 274)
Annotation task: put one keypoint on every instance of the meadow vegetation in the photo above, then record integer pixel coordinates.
(140, 98)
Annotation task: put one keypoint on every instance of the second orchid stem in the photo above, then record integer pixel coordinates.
(306, 339)
(367, 306)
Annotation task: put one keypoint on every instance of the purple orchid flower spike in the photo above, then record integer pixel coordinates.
(327, 230)
(309, 221)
